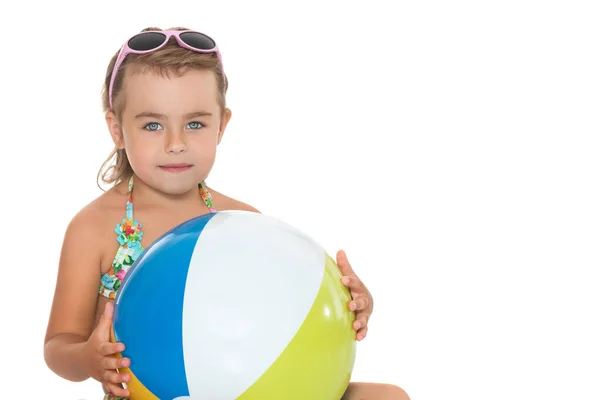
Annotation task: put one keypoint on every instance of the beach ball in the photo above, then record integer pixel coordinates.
(235, 305)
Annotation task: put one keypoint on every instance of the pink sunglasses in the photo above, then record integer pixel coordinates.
(149, 41)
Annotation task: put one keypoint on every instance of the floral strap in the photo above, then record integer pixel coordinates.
(206, 197)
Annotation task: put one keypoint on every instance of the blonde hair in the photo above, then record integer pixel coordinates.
(170, 59)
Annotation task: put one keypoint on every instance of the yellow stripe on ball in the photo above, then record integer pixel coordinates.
(302, 372)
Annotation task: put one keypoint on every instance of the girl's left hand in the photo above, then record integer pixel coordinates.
(362, 301)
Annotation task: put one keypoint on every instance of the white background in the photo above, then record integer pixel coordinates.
(450, 147)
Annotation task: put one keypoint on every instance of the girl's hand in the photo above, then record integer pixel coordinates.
(362, 301)
(101, 356)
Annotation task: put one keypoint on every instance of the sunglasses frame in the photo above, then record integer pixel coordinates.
(168, 34)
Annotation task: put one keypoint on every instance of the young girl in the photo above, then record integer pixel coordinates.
(164, 102)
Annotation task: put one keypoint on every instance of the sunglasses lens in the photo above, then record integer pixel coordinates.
(146, 41)
(198, 40)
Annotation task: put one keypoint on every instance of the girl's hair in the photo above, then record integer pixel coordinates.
(170, 59)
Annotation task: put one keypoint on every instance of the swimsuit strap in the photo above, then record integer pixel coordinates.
(129, 209)
(206, 197)
(129, 235)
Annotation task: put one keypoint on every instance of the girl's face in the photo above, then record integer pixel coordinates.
(170, 128)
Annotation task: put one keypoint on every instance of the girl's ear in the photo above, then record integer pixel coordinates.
(224, 121)
(115, 130)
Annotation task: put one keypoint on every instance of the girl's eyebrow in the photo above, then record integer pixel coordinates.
(148, 114)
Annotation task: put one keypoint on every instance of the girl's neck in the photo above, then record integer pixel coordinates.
(147, 196)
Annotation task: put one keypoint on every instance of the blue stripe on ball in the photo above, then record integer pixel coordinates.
(148, 306)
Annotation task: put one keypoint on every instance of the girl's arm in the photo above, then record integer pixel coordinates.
(72, 316)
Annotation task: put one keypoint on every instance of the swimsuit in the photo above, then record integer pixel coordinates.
(129, 235)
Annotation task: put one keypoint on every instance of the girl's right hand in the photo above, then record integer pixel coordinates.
(101, 356)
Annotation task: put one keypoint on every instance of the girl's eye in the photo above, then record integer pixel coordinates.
(152, 126)
(195, 125)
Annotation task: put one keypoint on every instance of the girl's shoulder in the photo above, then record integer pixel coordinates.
(225, 202)
(93, 224)
(98, 211)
